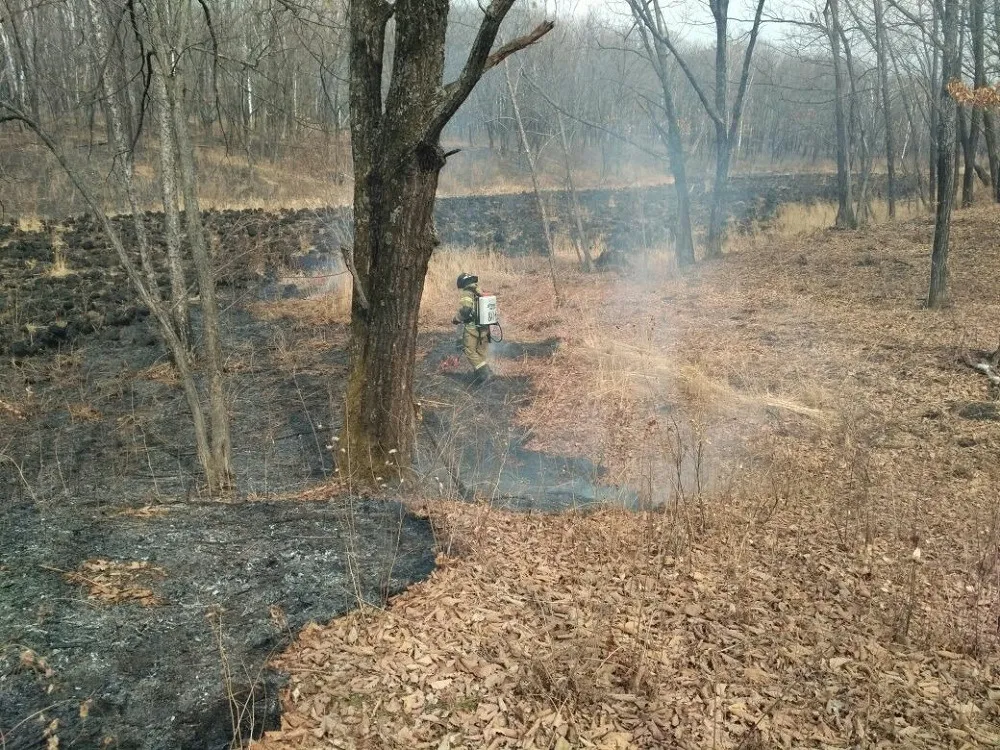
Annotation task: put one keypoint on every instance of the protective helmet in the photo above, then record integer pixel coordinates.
(466, 279)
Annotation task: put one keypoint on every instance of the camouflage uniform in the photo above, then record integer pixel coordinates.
(475, 341)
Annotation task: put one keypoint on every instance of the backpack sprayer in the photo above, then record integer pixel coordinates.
(488, 315)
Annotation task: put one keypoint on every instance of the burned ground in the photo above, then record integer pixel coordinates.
(132, 610)
(44, 305)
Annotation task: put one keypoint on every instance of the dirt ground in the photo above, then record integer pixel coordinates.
(818, 564)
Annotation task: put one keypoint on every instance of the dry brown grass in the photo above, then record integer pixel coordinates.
(302, 180)
(29, 223)
(60, 265)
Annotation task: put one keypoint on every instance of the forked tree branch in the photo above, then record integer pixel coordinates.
(642, 14)
(480, 60)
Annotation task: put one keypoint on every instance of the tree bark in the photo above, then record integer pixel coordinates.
(933, 153)
(726, 123)
(977, 19)
(964, 130)
(582, 245)
(171, 211)
(671, 135)
(211, 344)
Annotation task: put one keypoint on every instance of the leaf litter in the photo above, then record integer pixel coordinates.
(840, 589)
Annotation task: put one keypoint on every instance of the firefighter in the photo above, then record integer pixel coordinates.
(475, 338)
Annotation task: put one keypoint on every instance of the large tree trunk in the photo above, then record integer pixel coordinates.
(937, 294)
(390, 216)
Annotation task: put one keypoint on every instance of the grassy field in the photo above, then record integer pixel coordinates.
(818, 564)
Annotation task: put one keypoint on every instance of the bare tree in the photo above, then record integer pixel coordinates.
(978, 32)
(211, 441)
(652, 27)
(725, 122)
(846, 218)
(543, 213)
(937, 294)
(397, 160)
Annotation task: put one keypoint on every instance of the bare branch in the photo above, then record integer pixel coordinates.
(661, 36)
(734, 123)
(596, 126)
(480, 60)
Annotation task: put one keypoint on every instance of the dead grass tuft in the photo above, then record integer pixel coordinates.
(145, 511)
(12, 411)
(60, 265)
(84, 413)
(331, 309)
(162, 372)
(29, 223)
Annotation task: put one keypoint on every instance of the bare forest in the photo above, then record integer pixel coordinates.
(499, 374)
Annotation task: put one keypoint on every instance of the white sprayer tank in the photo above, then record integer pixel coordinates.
(489, 311)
